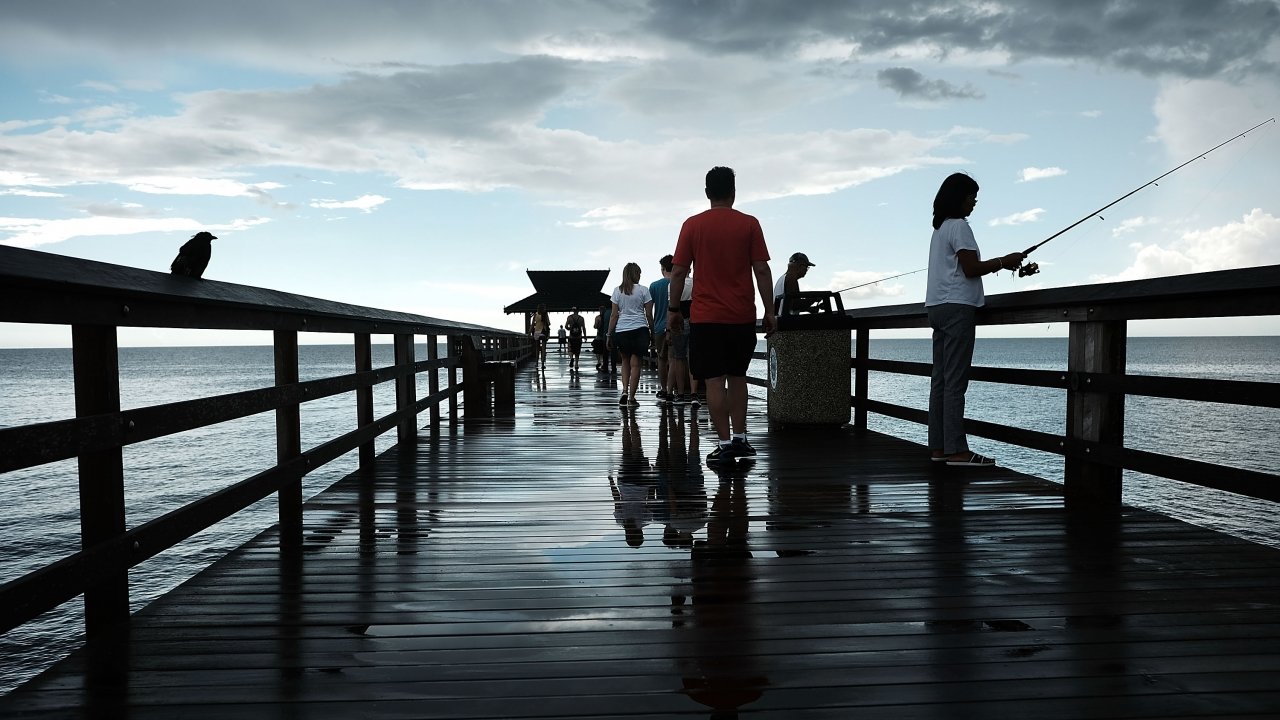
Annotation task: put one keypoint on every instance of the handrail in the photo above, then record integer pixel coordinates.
(1095, 379)
(95, 299)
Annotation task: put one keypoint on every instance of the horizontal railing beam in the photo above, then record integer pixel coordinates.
(26, 597)
(31, 445)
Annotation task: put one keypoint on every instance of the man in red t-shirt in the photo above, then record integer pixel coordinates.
(727, 248)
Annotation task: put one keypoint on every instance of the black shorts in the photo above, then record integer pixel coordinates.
(717, 349)
(632, 342)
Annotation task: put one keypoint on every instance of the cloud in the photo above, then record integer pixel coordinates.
(1027, 216)
(220, 187)
(1034, 173)
(1188, 40)
(31, 232)
(1131, 225)
(23, 192)
(909, 83)
(121, 210)
(364, 203)
(1253, 241)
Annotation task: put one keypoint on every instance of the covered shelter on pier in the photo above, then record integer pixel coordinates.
(562, 291)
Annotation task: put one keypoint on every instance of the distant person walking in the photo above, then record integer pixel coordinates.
(561, 337)
(679, 383)
(952, 297)
(658, 290)
(541, 328)
(726, 248)
(630, 326)
(577, 327)
(599, 344)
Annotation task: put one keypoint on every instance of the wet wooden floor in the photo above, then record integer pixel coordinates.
(581, 561)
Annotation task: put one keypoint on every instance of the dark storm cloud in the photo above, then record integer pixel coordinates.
(460, 101)
(1191, 38)
(910, 84)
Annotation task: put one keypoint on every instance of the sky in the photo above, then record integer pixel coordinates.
(421, 156)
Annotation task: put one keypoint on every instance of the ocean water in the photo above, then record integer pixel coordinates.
(42, 521)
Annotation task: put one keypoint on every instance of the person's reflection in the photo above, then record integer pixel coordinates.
(632, 490)
(682, 498)
(723, 671)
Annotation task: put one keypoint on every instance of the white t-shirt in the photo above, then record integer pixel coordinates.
(780, 287)
(631, 307)
(947, 282)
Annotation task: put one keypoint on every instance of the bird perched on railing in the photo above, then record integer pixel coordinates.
(193, 256)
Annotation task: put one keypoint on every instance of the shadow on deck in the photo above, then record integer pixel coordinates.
(581, 561)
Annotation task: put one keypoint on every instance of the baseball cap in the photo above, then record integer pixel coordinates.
(800, 259)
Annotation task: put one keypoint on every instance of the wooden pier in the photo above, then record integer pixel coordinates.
(529, 549)
(580, 560)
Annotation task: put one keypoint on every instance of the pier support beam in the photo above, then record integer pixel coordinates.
(364, 395)
(406, 390)
(288, 440)
(96, 364)
(1094, 417)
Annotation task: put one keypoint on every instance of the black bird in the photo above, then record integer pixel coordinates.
(193, 256)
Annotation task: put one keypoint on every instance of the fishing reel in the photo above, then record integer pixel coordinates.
(1028, 269)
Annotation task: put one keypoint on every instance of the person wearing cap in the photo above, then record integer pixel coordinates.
(789, 283)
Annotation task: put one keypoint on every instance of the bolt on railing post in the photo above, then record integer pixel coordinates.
(288, 440)
(406, 389)
(364, 395)
(1097, 417)
(96, 365)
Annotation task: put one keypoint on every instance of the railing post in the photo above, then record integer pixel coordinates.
(96, 364)
(433, 380)
(406, 389)
(364, 395)
(288, 440)
(1094, 347)
(454, 341)
(862, 345)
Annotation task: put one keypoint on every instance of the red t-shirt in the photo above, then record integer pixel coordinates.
(720, 245)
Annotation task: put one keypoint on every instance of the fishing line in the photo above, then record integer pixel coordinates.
(1032, 268)
(1213, 188)
(1229, 171)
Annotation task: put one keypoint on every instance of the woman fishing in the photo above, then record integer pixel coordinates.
(952, 298)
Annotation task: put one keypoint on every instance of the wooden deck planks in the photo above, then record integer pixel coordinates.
(581, 561)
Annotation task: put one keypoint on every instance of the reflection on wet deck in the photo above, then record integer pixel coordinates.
(581, 561)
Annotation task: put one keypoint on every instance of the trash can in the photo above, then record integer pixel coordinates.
(808, 356)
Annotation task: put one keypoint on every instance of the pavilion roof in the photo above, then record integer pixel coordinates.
(563, 290)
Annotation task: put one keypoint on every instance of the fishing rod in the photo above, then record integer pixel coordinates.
(873, 282)
(1033, 268)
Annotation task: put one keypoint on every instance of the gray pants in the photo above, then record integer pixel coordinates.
(953, 335)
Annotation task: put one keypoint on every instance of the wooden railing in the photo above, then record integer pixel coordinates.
(95, 299)
(1097, 315)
